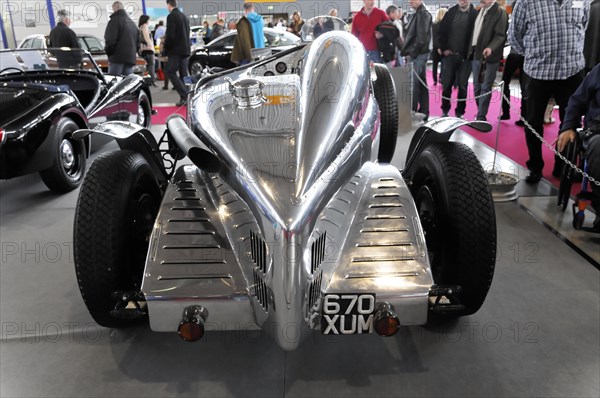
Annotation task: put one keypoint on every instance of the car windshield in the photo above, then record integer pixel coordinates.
(316, 26)
(91, 44)
(279, 39)
(29, 60)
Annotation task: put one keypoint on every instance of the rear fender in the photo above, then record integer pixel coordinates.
(132, 137)
(437, 131)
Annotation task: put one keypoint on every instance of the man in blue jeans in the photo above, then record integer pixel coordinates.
(454, 35)
(177, 49)
(487, 46)
(416, 49)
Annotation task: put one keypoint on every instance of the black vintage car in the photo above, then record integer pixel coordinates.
(45, 95)
(217, 53)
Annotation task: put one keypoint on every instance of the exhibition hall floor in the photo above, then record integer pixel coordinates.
(538, 333)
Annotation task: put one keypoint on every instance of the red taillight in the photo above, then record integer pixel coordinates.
(190, 331)
(386, 321)
(191, 327)
(1, 136)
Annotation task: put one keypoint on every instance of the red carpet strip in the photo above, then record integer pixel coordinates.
(511, 141)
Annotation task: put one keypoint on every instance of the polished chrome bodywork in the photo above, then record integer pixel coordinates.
(285, 201)
(299, 208)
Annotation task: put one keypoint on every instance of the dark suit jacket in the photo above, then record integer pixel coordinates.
(122, 39)
(492, 35)
(445, 29)
(177, 37)
(418, 33)
(63, 36)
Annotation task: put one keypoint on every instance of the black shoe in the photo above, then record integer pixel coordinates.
(182, 102)
(534, 177)
(481, 119)
(460, 115)
(520, 123)
(445, 114)
(165, 88)
(505, 116)
(426, 118)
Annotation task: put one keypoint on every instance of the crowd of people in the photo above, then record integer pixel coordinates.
(554, 46)
(124, 41)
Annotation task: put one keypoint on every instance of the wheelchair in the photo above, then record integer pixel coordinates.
(574, 153)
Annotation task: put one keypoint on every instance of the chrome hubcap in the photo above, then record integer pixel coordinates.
(196, 68)
(67, 157)
(141, 115)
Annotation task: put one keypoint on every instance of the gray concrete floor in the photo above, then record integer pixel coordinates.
(538, 334)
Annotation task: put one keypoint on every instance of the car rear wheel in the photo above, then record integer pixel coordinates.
(144, 112)
(456, 211)
(115, 213)
(68, 167)
(196, 67)
(385, 94)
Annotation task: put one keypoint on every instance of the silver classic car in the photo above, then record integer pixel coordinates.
(288, 216)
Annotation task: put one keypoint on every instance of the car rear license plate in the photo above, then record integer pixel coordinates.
(348, 313)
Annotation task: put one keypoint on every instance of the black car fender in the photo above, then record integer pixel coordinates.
(437, 131)
(131, 137)
(31, 144)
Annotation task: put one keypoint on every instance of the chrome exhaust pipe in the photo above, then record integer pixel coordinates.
(191, 145)
(191, 327)
(386, 321)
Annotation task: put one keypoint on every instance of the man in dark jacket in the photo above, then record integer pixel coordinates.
(487, 47)
(416, 49)
(122, 42)
(454, 37)
(217, 29)
(586, 102)
(63, 36)
(177, 49)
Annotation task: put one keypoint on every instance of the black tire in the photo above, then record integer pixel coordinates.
(115, 212)
(144, 115)
(196, 67)
(68, 167)
(457, 215)
(385, 94)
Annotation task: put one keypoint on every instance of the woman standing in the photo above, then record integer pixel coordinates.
(147, 46)
(296, 25)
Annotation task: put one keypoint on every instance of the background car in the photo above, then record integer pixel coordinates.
(45, 97)
(217, 53)
(89, 43)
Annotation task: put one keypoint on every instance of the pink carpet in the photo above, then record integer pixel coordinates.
(511, 142)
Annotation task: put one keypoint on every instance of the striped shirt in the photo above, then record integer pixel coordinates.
(550, 35)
